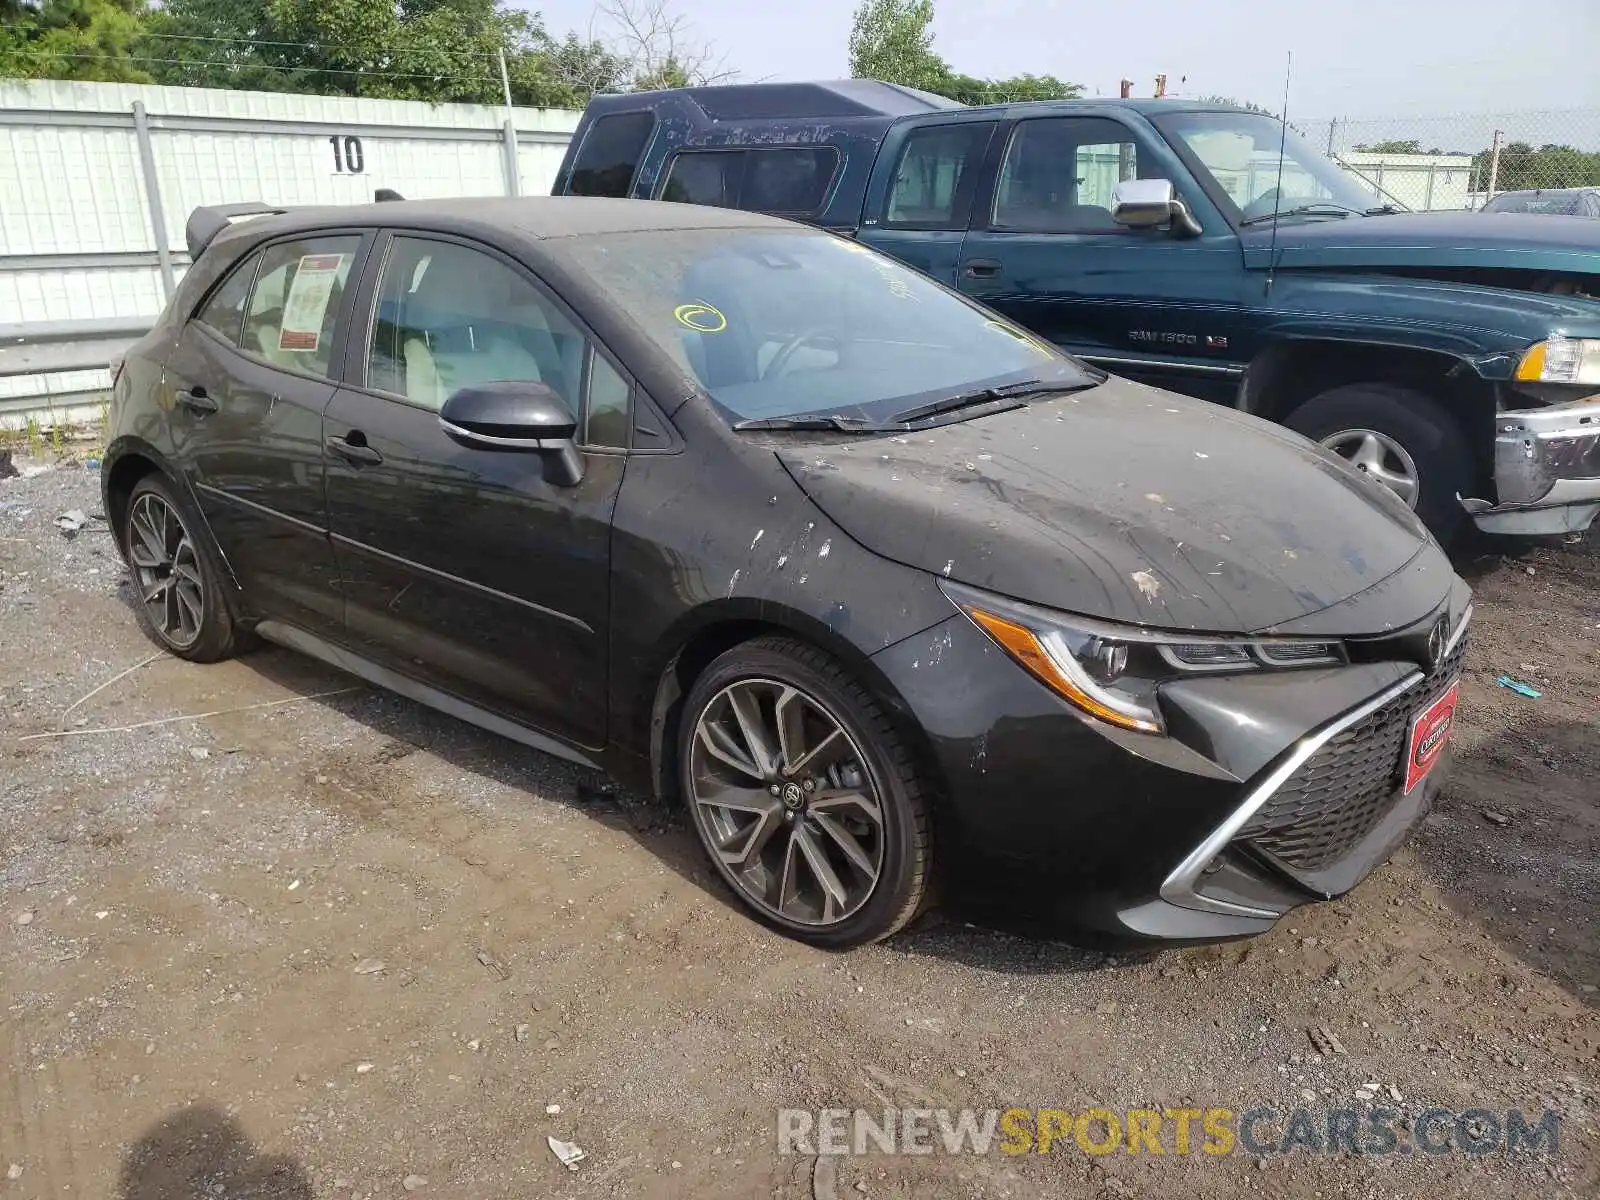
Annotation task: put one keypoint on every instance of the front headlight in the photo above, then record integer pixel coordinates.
(1111, 672)
(1561, 360)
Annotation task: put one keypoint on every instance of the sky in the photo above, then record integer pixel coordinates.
(1352, 58)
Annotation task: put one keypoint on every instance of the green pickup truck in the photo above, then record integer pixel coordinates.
(1453, 356)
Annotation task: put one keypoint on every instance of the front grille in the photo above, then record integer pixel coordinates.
(1341, 793)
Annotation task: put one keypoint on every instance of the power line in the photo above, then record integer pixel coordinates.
(252, 66)
(250, 41)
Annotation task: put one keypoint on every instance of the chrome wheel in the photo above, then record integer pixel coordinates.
(166, 569)
(1379, 455)
(784, 799)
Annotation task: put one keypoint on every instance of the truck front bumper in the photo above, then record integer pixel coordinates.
(1546, 470)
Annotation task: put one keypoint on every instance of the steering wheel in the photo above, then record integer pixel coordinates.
(787, 351)
(1263, 205)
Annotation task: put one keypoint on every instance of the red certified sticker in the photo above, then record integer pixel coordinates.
(1429, 732)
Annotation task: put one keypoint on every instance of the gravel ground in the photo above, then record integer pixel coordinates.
(331, 944)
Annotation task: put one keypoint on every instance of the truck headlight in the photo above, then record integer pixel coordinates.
(1561, 360)
(1111, 672)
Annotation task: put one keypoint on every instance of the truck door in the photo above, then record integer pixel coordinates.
(920, 197)
(1149, 304)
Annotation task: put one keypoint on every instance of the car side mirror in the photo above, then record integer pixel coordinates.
(516, 416)
(1146, 203)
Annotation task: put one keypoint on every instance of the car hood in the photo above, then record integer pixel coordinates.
(1527, 241)
(1122, 502)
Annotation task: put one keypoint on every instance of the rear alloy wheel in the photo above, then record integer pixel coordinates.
(179, 594)
(803, 795)
(1401, 438)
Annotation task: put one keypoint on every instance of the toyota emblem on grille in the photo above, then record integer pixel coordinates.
(1436, 641)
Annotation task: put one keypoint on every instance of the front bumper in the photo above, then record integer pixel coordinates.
(1271, 792)
(1546, 470)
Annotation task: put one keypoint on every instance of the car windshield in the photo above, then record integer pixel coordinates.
(788, 323)
(1558, 203)
(1239, 150)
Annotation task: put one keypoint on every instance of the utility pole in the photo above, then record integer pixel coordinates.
(508, 134)
(1332, 125)
(1494, 165)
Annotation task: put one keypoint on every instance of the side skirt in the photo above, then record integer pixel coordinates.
(337, 656)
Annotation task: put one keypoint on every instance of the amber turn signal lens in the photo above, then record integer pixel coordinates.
(1023, 645)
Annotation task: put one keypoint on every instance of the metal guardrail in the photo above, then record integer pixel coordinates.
(41, 347)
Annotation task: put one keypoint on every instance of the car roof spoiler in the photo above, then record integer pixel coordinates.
(209, 220)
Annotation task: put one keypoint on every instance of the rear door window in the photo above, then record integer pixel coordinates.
(609, 155)
(295, 302)
(223, 313)
(936, 176)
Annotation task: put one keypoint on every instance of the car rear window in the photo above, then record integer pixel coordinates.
(610, 153)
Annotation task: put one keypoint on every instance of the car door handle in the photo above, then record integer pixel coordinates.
(358, 453)
(982, 268)
(196, 400)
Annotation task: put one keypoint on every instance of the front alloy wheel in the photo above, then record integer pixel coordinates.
(1380, 456)
(803, 794)
(781, 793)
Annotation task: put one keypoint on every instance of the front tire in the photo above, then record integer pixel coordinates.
(180, 598)
(1402, 438)
(804, 795)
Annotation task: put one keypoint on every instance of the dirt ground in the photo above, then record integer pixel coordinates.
(193, 915)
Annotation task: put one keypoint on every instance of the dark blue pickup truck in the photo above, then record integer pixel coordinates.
(1455, 356)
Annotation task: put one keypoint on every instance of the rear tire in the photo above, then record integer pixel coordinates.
(1388, 425)
(180, 595)
(804, 795)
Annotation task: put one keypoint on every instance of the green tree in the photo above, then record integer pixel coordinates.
(71, 39)
(435, 50)
(1522, 168)
(970, 90)
(892, 40)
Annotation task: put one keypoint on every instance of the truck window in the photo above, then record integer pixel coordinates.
(789, 181)
(610, 155)
(1059, 173)
(704, 177)
(934, 180)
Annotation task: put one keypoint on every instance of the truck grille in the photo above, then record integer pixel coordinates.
(1341, 793)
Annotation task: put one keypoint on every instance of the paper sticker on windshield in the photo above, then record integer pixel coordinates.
(702, 318)
(307, 305)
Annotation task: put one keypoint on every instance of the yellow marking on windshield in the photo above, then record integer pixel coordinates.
(702, 318)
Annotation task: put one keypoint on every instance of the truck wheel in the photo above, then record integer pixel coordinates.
(1401, 438)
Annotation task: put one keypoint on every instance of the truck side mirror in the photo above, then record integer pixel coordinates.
(1146, 203)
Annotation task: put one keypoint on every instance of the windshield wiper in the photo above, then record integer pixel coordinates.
(1012, 392)
(835, 424)
(1383, 210)
(1325, 208)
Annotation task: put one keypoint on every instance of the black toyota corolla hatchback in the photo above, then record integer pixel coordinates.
(890, 593)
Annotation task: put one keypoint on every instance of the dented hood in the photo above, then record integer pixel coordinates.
(1519, 241)
(1124, 503)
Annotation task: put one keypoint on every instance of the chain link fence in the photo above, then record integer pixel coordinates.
(1460, 162)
